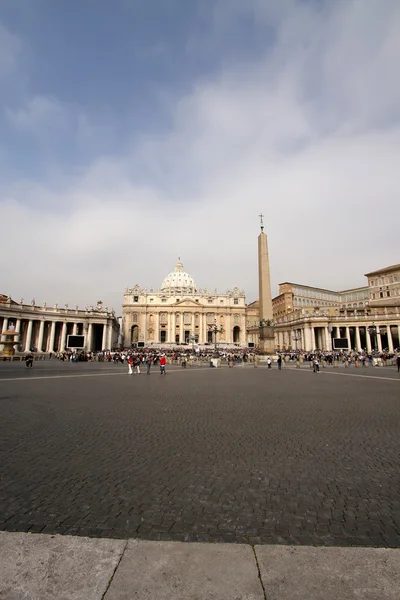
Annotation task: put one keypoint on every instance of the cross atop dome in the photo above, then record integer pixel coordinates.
(179, 265)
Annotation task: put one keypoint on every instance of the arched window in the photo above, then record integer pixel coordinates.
(134, 319)
(151, 319)
(187, 318)
(163, 318)
(236, 319)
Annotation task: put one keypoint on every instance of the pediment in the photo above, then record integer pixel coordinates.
(187, 302)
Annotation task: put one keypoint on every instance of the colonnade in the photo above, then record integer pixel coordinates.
(51, 335)
(308, 336)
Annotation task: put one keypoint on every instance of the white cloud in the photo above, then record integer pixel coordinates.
(307, 132)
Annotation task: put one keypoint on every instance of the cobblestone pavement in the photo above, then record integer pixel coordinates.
(231, 455)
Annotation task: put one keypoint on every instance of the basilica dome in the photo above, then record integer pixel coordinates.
(178, 281)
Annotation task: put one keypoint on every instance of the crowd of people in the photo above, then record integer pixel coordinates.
(146, 357)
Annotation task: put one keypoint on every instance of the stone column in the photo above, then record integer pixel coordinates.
(28, 336)
(313, 343)
(378, 338)
(368, 339)
(63, 336)
(52, 335)
(75, 329)
(4, 328)
(104, 338)
(337, 335)
(390, 339)
(157, 328)
(181, 332)
(358, 339)
(307, 338)
(40, 339)
(89, 337)
(328, 338)
(173, 327)
(109, 336)
(348, 337)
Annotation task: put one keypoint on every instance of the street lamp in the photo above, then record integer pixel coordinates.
(214, 328)
(296, 336)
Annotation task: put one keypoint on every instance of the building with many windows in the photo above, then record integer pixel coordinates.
(368, 318)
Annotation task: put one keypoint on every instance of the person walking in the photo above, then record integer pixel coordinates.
(148, 364)
(279, 362)
(163, 362)
(269, 363)
(130, 363)
(29, 360)
(398, 363)
(137, 365)
(316, 365)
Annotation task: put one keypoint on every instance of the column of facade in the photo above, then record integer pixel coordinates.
(40, 338)
(157, 328)
(28, 336)
(337, 335)
(302, 339)
(75, 329)
(390, 339)
(243, 330)
(109, 336)
(313, 343)
(63, 336)
(307, 338)
(378, 338)
(328, 339)
(358, 338)
(368, 339)
(4, 328)
(50, 347)
(348, 337)
(181, 329)
(104, 338)
(89, 337)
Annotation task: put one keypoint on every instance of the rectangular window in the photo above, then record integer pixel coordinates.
(235, 301)
(163, 318)
(210, 301)
(163, 299)
(136, 298)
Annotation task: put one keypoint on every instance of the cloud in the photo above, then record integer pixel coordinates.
(305, 130)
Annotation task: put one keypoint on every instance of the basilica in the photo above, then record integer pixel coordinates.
(181, 313)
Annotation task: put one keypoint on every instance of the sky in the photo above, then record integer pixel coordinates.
(136, 131)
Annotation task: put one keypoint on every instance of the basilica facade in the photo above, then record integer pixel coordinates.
(181, 313)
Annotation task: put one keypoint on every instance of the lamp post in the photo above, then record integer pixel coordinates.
(296, 336)
(215, 329)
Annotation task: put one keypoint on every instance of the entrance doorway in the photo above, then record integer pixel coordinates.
(236, 334)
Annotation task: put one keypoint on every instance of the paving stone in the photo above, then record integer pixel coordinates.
(169, 570)
(45, 567)
(304, 573)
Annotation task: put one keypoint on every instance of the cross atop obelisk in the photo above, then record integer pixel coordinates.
(261, 221)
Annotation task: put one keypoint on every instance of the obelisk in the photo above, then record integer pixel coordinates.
(267, 332)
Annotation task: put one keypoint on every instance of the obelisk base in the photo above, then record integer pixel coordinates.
(267, 341)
